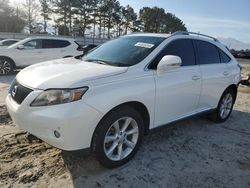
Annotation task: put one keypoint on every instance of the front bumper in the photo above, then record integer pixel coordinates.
(75, 121)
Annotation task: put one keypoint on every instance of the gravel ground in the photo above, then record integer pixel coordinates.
(192, 153)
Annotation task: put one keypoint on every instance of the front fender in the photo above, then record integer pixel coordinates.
(107, 96)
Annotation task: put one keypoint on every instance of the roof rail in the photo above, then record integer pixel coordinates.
(193, 33)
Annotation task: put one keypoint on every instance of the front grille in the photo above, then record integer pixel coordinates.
(19, 92)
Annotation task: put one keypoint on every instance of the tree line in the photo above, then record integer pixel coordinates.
(98, 18)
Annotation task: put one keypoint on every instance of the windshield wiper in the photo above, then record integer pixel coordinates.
(98, 61)
(116, 64)
(121, 64)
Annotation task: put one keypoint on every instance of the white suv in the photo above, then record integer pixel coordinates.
(118, 92)
(34, 50)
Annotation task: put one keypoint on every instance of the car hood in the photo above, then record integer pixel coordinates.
(65, 73)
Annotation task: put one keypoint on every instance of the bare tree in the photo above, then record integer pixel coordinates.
(10, 20)
(30, 10)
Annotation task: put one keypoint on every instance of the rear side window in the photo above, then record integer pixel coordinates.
(180, 47)
(207, 53)
(224, 57)
(51, 43)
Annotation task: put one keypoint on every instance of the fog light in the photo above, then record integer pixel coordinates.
(57, 134)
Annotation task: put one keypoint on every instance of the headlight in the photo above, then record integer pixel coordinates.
(58, 96)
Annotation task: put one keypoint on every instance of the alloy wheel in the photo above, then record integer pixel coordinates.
(5, 67)
(226, 105)
(121, 138)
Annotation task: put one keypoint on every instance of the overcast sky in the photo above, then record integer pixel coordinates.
(220, 18)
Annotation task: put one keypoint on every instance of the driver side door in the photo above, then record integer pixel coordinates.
(177, 90)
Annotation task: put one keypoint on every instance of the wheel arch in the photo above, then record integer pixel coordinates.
(215, 115)
(14, 64)
(234, 88)
(138, 106)
(142, 109)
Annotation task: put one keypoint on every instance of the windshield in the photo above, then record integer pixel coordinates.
(7, 42)
(124, 51)
(19, 43)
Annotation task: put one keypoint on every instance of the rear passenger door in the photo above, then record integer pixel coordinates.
(215, 73)
(177, 90)
(54, 49)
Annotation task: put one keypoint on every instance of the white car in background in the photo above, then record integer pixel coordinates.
(7, 42)
(122, 89)
(36, 49)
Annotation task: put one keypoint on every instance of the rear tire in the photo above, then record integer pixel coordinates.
(118, 137)
(225, 106)
(6, 66)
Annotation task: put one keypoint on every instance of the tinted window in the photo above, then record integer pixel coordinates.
(224, 57)
(51, 43)
(207, 52)
(124, 51)
(33, 44)
(182, 48)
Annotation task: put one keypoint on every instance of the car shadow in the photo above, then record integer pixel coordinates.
(7, 79)
(192, 152)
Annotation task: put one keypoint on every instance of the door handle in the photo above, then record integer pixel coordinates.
(225, 73)
(39, 52)
(196, 77)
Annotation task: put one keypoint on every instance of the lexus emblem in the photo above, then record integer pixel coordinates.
(14, 91)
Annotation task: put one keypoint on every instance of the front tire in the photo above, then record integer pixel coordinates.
(118, 137)
(225, 106)
(6, 66)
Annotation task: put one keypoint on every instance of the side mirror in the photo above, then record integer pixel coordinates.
(169, 62)
(20, 47)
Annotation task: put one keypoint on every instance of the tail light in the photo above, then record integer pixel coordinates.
(239, 66)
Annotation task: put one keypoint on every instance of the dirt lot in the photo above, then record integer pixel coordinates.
(191, 153)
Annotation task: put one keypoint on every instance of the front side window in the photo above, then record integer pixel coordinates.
(182, 48)
(125, 51)
(207, 53)
(52, 43)
(33, 44)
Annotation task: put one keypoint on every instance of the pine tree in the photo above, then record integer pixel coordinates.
(45, 13)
